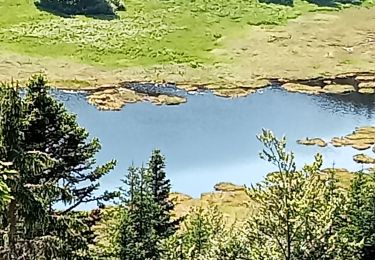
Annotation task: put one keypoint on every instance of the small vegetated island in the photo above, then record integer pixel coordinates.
(232, 47)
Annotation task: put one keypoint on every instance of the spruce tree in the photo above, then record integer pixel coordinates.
(147, 210)
(26, 163)
(128, 238)
(51, 129)
(55, 164)
(161, 187)
(137, 234)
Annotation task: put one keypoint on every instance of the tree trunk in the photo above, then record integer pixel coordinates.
(12, 227)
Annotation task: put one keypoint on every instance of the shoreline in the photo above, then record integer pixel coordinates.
(232, 199)
(319, 52)
(115, 96)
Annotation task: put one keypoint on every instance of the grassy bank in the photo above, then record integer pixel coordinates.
(148, 33)
(230, 47)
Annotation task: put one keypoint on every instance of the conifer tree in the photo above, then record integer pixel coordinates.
(128, 239)
(137, 234)
(55, 164)
(26, 163)
(161, 187)
(147, 210)
(51, 129)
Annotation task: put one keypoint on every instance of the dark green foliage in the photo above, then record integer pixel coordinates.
(147, 210)
(161, 188)
(118, 4)
(52, 130)
(26, 163)
(138, 239)
(298, 214)
(360, 224)
(82, 7)
(69, 237)
(54, 162)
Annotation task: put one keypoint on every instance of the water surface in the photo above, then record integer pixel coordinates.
(211, 139)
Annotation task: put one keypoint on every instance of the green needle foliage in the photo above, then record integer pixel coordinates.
(138, 238)
(297, 214)
(161, 187)
(55, 164)
(147, 211)
(53, 130)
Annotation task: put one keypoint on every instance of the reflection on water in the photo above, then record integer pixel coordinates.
(211, 139)
(354, 103)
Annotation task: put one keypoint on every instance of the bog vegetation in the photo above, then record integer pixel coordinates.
(48, 170)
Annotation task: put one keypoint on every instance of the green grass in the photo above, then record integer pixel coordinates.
(149, 32)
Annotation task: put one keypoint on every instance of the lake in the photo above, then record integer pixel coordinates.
(211, 139)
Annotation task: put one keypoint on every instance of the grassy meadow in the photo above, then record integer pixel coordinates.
(148, 33)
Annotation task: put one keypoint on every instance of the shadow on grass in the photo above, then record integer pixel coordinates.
(324, 3)
(98, 9)
(278, 2)
(106, 17)
(334, 3)
(51, 11)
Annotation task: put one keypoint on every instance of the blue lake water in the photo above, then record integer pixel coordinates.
(211, 139)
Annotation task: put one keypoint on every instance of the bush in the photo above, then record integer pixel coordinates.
(81, 7)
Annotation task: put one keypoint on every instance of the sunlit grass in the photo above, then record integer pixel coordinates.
(148, 33)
